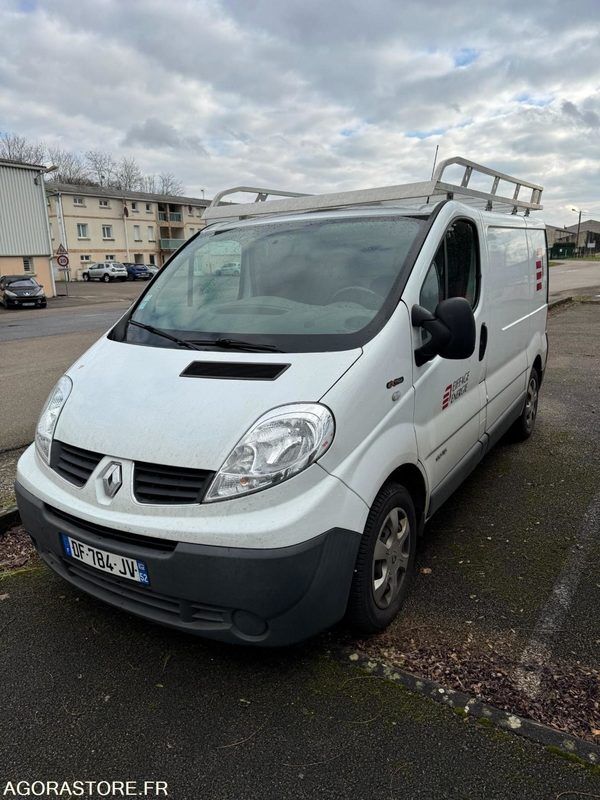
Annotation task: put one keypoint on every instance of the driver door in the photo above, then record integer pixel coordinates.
(449, 394)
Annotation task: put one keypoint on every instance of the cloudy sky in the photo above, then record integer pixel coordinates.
(313, 95)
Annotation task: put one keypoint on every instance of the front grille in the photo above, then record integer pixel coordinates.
(164, 485)
(149, 542)
(73, 463)
(146, 601)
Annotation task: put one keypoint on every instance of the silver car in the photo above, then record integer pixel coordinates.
(105, 271)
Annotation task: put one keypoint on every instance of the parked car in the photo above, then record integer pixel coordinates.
(228, 269)
(135, 271)
(17, 291)
(306, 423)
(105, 271)
(152, 269)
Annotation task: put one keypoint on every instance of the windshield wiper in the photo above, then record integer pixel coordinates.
(164, 334)
(238, 344)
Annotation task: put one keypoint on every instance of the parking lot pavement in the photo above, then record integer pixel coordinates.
(512, 561)
(90, 693)
(575, 277)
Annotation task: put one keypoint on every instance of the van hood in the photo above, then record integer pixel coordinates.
(131, 401)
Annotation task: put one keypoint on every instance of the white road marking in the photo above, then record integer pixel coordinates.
(538, 651)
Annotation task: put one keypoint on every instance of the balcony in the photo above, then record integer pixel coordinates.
(172, 216)
(171, 244)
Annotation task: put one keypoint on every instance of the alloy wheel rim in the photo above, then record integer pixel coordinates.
(531, 403)
(390, 558)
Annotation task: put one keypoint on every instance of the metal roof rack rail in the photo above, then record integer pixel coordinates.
(426, 191)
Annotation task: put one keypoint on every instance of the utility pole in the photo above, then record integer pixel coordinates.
(578, 228)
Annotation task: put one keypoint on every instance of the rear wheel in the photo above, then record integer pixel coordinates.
(524, 425)
(106, 277)
(386, 561)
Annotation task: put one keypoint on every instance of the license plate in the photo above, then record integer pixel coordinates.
(119, 566)
(27, 303)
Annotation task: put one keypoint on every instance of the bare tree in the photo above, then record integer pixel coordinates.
(102, 167)
(70, 167)
(18, 148)
(128, 174)
(149, 184)
(169, 184)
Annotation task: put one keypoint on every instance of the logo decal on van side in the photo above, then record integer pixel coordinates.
(539, 275)
(455, 390)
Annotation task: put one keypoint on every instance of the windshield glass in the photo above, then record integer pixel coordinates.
(22, 283)
(280, 283)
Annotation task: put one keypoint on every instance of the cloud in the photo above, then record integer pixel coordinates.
(157, 134)
(310, 95)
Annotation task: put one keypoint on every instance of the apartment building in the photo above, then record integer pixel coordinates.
(96, 223)
(24, 231)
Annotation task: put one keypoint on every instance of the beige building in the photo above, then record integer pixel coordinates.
(95, 223)
(24, 231)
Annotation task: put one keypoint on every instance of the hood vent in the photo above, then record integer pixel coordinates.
(227, 370)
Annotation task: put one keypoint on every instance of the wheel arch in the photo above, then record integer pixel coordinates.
(413, 479)
(537, 365)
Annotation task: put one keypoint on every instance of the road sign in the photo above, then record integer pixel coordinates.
(61, 250)
(62, 260)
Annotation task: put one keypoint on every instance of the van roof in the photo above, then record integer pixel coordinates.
(506, 193)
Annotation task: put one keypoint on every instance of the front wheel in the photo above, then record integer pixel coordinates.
(385, 563)
(85, 276)
(524, 425)
(106, 278)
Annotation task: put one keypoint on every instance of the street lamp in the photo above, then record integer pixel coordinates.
(580, 212)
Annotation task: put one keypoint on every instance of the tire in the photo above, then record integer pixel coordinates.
(523, 427)
(44, 304)
(106, 277)
(86, 276)
(385, 563)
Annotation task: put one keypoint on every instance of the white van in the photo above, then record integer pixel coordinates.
(300, 417)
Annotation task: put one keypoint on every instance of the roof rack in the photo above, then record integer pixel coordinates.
(426, 191)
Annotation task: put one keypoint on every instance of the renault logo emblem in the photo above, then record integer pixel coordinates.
(113, 479)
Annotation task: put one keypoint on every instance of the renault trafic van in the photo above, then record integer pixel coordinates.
(304, 414)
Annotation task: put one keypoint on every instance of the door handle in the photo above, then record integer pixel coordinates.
(483, 341)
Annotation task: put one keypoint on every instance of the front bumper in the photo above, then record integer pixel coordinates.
(15, 302)
(276, 596)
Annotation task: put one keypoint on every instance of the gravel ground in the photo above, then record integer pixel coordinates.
(16, 549)
(8, 469)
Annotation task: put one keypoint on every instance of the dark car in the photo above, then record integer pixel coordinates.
(135, 271)
(21, 290)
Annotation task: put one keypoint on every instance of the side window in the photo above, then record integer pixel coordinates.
(454, 268)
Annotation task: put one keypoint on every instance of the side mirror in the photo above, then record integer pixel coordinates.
(451, 329)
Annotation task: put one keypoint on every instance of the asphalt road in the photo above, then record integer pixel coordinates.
(92, 694)
(575, 277)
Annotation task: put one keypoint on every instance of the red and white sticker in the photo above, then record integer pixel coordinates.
(539, 274)
(455, 390)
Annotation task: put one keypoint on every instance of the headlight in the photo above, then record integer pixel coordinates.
(49, 416)
(280, 444)
(9, 294)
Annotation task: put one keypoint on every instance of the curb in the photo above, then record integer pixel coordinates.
(562, 301)
(470, 707)
(9, 517)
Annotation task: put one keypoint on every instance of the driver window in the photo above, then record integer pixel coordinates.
(454, 270)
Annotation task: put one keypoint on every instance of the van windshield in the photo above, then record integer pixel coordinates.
(302, 285)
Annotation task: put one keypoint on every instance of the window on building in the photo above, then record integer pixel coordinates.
(78, 201)
(136, 233)
(28, 264)
(134, 206)
(82, 230)
(107, 232)
(109, 257)
(190, 211)
(151, 233)
(103, 203)
(149, 207)
(85, 258)
(152, 259)
(51, 230)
